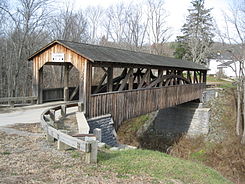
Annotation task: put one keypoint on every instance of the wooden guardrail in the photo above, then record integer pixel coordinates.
(18, 100)
(54, 132)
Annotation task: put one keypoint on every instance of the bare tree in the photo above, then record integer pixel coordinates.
(136, 27)
(115, 22)
(23, 35)
(94, 17)
(69, 25)
(158, 32)
(234, 35)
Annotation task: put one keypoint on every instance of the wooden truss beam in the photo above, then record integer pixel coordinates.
(146, 75)
(167, 77)
(125, 80)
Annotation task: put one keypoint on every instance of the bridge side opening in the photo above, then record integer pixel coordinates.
(111, 79)
(127, 91)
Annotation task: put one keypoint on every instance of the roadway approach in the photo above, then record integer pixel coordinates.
(26, 114)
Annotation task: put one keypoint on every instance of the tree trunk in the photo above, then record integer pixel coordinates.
(238, 119)
(243, 128)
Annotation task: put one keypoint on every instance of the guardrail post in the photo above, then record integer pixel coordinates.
(91, 157)
(63, 110)
(49, 138)
(32, 101)
(11, 103)
(61, 145)
(97, 133)
(80, 106)
(52, 116)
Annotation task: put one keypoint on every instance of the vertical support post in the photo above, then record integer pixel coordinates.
(40, 86)
(11, 103)
(189, 76)
(97, 133)
(60, 145)
(66, 82)
(160, 74)
(200, 76)
(110, 79)
(204, 76)
(148, 78)
(82, 81)
(138, 76)
(35, 79)
(52, 116)
(179, 72)
(91, 157)
(131, 80)
(80, 107)
(195, 77)
(88, 86)
(63, 110)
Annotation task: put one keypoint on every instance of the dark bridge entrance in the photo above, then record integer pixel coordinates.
(128, 84)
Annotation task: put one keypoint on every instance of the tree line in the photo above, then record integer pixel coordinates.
(30, 24)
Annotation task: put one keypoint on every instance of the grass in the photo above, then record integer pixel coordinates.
(6, 153)
(159, 166)
(214, 79)
(221, 83)
(227, 85)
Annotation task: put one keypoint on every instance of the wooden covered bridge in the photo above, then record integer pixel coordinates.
(131, 83)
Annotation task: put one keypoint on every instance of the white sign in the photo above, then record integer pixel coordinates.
(58, 57)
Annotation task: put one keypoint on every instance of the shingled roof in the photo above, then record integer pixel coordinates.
(96, 53)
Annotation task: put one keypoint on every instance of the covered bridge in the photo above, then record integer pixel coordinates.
(132, 83)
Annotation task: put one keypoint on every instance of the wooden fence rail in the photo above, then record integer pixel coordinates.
(18, 100)
(50, 126)
(128, 104)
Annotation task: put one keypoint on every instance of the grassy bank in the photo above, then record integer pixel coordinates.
(160, 166)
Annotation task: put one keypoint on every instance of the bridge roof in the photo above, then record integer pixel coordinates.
(96, 53)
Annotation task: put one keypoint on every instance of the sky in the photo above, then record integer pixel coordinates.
(177, 10)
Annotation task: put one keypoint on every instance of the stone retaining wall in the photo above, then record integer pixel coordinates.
(189, 118)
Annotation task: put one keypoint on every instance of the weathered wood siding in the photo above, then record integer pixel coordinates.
(45, 57)
(128, 104)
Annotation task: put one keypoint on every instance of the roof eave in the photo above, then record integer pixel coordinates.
(156, 66)
(51, 44)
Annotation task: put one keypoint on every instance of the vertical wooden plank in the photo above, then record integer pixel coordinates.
(40, 86)
(81, 82)
(87, 86)
(131, 80)
(109, 79)
(66, 82)
(204, 76)
(195, 77)
(35, 78)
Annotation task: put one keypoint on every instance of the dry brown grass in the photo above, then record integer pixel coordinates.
(30, 159)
